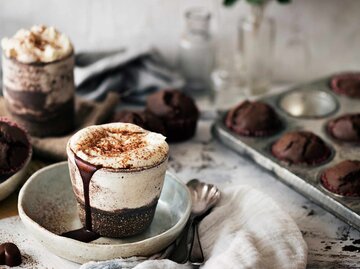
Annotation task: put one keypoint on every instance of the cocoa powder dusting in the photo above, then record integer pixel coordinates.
(110, 143)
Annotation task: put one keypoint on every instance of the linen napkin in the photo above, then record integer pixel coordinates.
(133, 72)
(246, 230)
(87, 113)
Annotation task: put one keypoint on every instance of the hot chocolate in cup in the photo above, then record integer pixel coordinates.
(117, 172)
(38, 80)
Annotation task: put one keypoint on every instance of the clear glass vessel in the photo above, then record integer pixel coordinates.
(196, 53)
(256, 41)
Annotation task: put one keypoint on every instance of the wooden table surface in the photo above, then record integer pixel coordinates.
(8, 207)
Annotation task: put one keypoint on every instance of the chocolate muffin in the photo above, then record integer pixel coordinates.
(253, 119)
(141, 118)
(345, 128)
(14, 148)
(177, 111)
(343, 178)
(301, 147)
(346, 84)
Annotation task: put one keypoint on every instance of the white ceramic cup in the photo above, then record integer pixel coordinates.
(122, 200)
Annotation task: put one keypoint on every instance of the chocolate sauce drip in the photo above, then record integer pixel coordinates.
(82, 235)
(86, 170)
(85, 234)
(10, 255)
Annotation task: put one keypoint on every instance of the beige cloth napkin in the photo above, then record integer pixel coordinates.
(87, 113)
(246, 230)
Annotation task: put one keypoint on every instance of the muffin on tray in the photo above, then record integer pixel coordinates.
(346, 84)
(253, 119)
(301, 147)
(343, 178)
(345, 128)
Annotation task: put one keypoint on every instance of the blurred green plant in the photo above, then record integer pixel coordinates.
(253, 2)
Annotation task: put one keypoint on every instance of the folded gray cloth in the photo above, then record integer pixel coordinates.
(133, 72)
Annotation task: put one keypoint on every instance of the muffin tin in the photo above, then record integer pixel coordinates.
(304, 107)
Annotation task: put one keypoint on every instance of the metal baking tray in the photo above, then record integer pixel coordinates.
(303, 107)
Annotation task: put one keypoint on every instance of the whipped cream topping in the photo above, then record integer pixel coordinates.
(119, 145)
(39, 44)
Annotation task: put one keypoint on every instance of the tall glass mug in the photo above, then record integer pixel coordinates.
(38, 80)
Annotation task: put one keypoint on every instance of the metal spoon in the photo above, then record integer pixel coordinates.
(204, 197)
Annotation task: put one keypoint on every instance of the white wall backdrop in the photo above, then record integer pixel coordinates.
(330, 29)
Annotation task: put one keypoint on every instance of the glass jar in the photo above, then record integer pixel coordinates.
(256, 41)
(196, 57)
(228, 71)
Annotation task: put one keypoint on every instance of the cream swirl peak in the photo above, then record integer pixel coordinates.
(40, 44)
(119, 146)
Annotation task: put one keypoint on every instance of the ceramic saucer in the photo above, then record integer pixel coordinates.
(48, 208)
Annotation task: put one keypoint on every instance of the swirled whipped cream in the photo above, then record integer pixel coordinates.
(119, 146)
(39, 44)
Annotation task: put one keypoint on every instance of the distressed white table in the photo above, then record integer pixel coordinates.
(332, 243)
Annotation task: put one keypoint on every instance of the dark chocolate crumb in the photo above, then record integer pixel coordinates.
(311, 213)
(351, 248)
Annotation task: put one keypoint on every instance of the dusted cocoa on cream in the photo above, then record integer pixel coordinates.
(119, 145)
(39, 44)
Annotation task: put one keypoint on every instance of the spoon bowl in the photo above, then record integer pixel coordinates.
(204, 196)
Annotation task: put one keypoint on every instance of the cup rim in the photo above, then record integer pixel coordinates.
(69, 152)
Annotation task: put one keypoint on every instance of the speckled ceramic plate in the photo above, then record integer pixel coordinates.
(8, 186)
(47, 207)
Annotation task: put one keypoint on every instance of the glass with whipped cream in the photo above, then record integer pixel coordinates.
(38, 80)
(117, 172)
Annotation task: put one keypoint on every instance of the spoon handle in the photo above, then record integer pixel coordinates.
(181, 251)
(196, 254)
